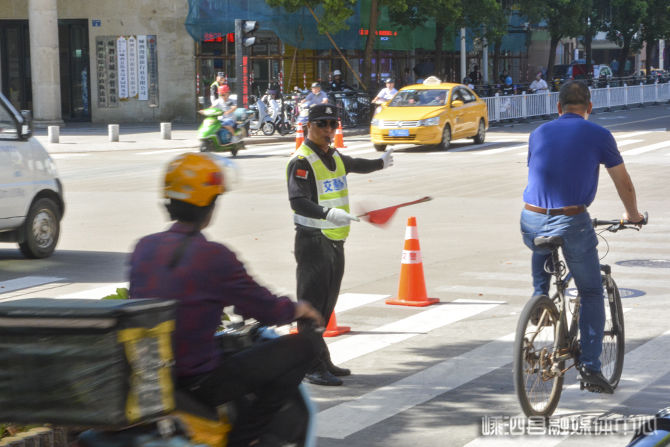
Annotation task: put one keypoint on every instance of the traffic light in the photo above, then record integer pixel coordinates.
(243, 39)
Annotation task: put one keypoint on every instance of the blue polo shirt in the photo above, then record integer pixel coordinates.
(564, 158)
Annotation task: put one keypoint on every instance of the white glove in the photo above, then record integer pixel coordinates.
(387, 158)
(340, 217)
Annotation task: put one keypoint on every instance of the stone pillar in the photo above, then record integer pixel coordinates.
(44, 61)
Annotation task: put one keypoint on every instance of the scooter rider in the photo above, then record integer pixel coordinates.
(387, 93)
(204, 277)
(214, 87)
(317, 189)
(228, 106)
(317, 96)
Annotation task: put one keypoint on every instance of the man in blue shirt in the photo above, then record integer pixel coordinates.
(564, 158)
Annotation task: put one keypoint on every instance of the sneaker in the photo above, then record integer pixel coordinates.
(336, 370)
(594, 380)
(323, 377)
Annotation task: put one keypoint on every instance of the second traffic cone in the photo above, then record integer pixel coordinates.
(332, 329)
(339, 137)
(299, 136)
(412, 287)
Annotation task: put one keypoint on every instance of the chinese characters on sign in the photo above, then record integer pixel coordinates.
(564, 425)
(132, 67)
(127, 68)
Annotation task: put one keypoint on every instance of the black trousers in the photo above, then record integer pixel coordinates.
(319, 274)
(269, 372)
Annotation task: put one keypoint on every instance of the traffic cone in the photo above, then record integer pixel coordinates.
(332, 329)
(299, 136)
(412, 287)
(339, 137)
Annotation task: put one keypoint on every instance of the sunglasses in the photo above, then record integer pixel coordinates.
(322, 124)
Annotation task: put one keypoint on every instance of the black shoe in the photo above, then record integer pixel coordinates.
(336, 370)
(323, 377)
(593, 381)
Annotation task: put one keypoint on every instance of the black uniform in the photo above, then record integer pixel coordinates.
(320, 259)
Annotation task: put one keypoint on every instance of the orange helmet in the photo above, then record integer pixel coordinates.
(194, 178)
(224, 89)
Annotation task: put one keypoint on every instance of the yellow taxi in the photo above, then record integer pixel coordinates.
(430, 113)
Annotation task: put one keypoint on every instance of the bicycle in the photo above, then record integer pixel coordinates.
(545, 342)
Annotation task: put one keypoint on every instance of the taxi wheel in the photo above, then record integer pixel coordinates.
(446, 138)
(42, 229)
(481, 133)
(380, 147)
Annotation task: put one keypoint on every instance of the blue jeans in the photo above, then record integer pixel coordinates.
(581, 255)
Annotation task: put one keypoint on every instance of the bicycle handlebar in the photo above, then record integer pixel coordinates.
(620, 224)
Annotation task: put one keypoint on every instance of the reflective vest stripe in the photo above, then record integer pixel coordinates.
(312, 222)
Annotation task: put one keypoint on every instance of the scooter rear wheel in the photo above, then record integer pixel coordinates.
(268, 128)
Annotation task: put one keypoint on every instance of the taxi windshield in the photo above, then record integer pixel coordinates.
(420, 98)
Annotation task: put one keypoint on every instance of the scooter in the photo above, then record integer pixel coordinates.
(261, 120)
(216, 138)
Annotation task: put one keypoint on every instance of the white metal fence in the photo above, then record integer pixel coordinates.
(514, 107)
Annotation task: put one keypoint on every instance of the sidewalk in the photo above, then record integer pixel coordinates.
(87, 137)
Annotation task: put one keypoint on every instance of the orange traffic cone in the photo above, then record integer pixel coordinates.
(332, 329)
(412, 287)
(299, 136)
(339, 137)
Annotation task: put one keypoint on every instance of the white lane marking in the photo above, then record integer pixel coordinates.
(437, 316)
(642, 367)
(648, 148)
(621, 143)
(472, 147)
(70, 155)
(502, 149)
(162, 151)
(350, 417)
(26, 282)
(348, 301)
(483, 290)
(95, 293)
(638, 133)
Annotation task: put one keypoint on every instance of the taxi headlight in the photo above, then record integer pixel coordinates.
(374, 122)
(434, 121)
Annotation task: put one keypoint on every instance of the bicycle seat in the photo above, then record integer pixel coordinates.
(550, 242)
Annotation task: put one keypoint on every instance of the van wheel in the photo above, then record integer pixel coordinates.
(481, 133)
(446, 138)
(41, 229)
(380, 147)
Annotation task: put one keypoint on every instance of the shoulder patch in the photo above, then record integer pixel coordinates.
(301, 173)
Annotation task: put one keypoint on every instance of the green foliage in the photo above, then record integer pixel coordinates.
(625, 22)
(656, 22)
(335, 12)
(121, 294)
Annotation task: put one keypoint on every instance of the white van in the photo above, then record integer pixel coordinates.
(31, 194)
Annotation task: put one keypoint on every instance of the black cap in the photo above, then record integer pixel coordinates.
(322, 112)
(316, 84)
(388, 80)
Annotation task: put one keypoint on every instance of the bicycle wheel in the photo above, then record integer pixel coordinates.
(611, 357)
(537, 387)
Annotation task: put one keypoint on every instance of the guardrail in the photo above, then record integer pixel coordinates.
(519, 107)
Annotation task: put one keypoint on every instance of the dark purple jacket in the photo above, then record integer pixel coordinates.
(207, 278)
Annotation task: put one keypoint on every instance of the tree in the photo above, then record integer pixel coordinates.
(488, 19)
(624, 25)
(655, 26)
(562, 18)
(593, 20)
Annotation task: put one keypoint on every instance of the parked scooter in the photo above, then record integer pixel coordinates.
(261, 120)
(216, 138)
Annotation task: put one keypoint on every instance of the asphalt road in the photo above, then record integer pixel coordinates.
(439, 375)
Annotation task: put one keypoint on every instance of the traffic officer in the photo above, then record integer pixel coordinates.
(318, 193)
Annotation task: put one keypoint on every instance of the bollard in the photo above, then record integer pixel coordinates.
(166, 131)
(113, 131)
(54, 133)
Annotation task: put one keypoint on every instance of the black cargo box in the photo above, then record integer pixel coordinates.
(85, 362)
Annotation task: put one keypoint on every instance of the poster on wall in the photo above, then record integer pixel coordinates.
(152, 69)
(101, 69)
(122, 58)
(132, 67)
(142, 75)
(111, 69)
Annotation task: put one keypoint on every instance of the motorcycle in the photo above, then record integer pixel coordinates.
(216, 138)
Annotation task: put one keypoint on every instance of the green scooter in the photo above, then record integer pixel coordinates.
(216, 138)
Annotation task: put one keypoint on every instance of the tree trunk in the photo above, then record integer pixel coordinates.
(624, 54)
(496, 61)
(553, 43)
(439, 56)
(651, 46)
(370, 44)
(588, 39)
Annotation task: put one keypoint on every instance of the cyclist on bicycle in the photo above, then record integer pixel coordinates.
(204, 277)
(564, 158)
